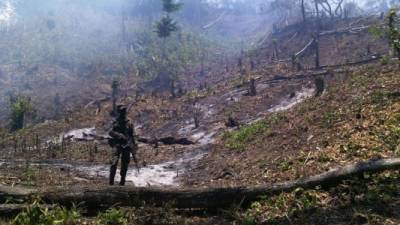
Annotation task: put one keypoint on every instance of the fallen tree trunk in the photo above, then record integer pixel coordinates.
(305, 48)
(11, 210)
(98, 101)
(214, 22)
(369, 59)
(209, 198)
(349, 30)
(323, 72)
(164, 140)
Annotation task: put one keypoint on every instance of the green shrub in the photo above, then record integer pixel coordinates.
(285, 165)
(112, 217)
(237, 140)
(329, 118)
(394, 34)
(248, 220)
(385, 60)
(391, 138)
(39, 215)
(20, 107)
(376, 31)
(380, 98)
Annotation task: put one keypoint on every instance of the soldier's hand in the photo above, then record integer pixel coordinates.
(118, 135)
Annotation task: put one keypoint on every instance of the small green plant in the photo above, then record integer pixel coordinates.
(277, 117)
(285, 165)
(238, 140)
(323, 158)
(397, 151)
(376, 31)
(385, 60)
(351, 149)
(256, 206)
(379, 98)
(391, 31)
(20, 107)
(396, 119)
(394, 34)
(37, 214)
(13, 200)
(391, 137)
(329, 118)
(112, 217)
(248, 220)
(285, 205)
(30, 175)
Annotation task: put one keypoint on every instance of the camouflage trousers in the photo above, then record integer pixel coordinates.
(124, 154)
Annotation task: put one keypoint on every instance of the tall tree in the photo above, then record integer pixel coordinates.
(164, 29)
(166, 26)
(316, 3)
(21, 106)
(394, 34)
(114, 96)
(303, 10)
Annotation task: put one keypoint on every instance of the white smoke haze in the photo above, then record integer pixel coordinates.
(83, 35)
(7, 13)
(74, 31)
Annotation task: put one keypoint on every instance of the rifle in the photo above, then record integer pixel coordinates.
(131, 145)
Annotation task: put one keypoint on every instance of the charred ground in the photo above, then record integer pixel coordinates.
(285, 132)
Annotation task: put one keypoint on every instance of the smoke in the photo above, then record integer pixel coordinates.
(378, 6)
(7, 13)
(47, 46)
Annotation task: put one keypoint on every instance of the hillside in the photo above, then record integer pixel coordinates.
(279, 88)
(242, 121)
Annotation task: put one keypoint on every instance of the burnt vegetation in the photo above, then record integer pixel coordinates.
(261, 112)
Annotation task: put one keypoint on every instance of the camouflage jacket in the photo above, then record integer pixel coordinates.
(122, 135)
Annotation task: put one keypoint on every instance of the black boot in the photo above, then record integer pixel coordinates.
(113, 171)
(122, 182)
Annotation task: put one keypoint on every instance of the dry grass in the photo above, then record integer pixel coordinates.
(357, 119)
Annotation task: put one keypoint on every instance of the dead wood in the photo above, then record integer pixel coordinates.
(310, 43)
(348, 30)
(166, 141)
(322, 70)
(206, 198)
(11, 210)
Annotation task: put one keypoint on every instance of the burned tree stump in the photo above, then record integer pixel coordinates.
(231, 122)
(319, 86)
(317, 55)
(172, 89)
(196, 121)
(252, 65)
(114, 96)
(252, 88)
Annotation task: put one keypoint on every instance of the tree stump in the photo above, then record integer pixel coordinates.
(320, 86)
(252, 89)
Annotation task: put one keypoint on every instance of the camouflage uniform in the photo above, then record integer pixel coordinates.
(123, 143)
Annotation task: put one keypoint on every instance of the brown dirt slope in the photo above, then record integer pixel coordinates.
(356, 119)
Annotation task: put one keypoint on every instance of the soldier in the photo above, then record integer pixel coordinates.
(123, 143)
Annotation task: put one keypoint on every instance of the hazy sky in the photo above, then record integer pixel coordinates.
(7, 12)
(7, 7)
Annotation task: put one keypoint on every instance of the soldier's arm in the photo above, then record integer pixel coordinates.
(117, 135)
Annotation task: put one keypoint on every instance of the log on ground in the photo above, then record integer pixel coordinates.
(208, 198)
